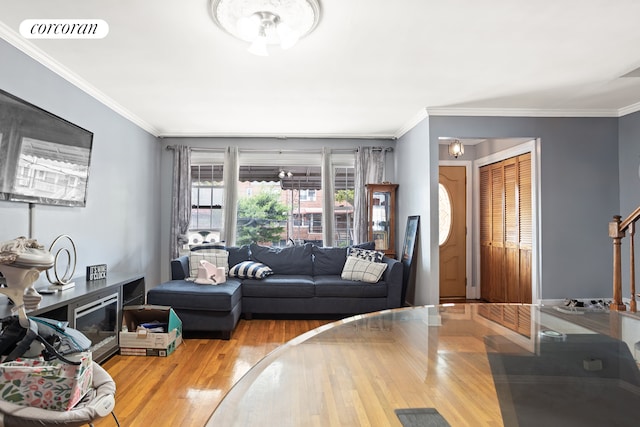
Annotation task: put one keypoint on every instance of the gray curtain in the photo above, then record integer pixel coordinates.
(328, 190)
(231, 174)
(369, 170)
(181, 199)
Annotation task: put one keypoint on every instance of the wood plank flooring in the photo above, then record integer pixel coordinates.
(184, 388)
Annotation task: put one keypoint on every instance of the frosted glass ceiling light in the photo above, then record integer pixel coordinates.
(266, 22)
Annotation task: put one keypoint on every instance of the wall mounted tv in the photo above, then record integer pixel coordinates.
(44, 159)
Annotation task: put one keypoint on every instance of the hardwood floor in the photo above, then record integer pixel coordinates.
(184, 388)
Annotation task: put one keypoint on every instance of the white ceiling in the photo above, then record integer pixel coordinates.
(372, 68)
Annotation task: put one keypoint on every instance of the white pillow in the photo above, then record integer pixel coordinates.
(217, 257)
(362, 270)
(250, 270)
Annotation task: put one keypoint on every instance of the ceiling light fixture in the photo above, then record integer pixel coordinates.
(266, 22)
(456, 149)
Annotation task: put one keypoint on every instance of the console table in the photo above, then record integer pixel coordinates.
(92, 307)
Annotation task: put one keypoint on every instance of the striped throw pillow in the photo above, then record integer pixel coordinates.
(250, 270)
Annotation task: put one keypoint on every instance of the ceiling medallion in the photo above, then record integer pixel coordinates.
(266, 22)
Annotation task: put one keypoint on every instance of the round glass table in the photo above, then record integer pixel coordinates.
(458, 365)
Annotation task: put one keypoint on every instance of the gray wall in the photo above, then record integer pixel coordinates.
(120, 224)
(579, 192)
(125, 223)
(246, 143)
(629, 158)
(417, 172)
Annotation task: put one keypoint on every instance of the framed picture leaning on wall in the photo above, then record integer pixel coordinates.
(409, 250)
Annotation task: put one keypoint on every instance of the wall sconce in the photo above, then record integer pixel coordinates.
(456, 149)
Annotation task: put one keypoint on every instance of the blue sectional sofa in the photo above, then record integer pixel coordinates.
(306, 280)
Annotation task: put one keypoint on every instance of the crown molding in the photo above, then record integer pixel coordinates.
(521, 112)
(417, 118)
(41, 57)
(629, 109)
(199, 134)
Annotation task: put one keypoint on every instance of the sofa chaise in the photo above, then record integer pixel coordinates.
(294, 280)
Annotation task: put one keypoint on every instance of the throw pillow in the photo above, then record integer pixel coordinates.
(328, 261)
(237, 254)
(373, 256)
(217, 257)
(366, 245)
(287, 260)
(362, 270)
(250, 270)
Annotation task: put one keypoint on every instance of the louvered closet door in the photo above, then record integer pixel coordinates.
(485, 232)
(511, 236)
(526, 226)
(505, 230)
(496, 259)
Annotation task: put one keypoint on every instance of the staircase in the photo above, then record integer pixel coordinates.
(617, 231)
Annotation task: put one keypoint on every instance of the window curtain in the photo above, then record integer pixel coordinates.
(230, 177)
(369, 169)
(181, 199)
(328, 190)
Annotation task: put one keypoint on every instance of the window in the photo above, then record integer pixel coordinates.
(315, 223)
(444, 201)
(272, 210)
(300, 220)
(207, 194)
(307, 195)
(275, 210)
(343, 211)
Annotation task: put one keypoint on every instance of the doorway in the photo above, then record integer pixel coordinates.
(453, 232)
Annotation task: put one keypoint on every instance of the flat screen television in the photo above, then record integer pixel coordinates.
(44, 159)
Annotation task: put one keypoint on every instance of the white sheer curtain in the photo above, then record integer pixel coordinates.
(231, 173)
(369, 170)
(181, 199)
(328, 191)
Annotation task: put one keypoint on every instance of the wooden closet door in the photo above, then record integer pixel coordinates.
(526, 226)
(505, 230)
(485, 232)
(496, 259)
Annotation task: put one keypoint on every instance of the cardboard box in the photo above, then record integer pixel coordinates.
(53, 385)
(139, 341)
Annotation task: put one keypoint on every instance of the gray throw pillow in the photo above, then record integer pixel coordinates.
(237, 254)
(328, 261)
(287, 260)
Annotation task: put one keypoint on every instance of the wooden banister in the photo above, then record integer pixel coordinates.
(617, 230)
(624, 225)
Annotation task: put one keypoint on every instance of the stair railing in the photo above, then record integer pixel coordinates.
(617, 230)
